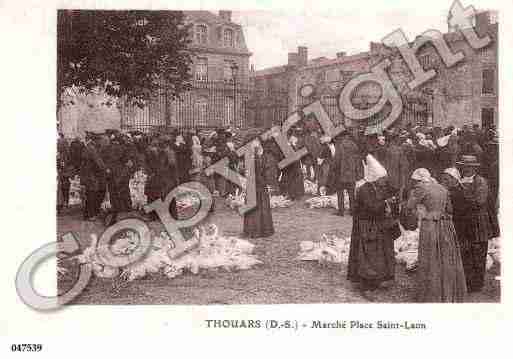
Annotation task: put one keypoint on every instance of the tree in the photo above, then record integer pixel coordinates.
(128, 54)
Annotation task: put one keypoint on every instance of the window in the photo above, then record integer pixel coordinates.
(201, 34)
(201, 112)
(228, 38)
(320, 77)
(332, 75)
(228, 112)
(487, 119)
(488, 82)
(487, 51)
(227, 71)
(201, 70)
(425, 61)
(346, 75)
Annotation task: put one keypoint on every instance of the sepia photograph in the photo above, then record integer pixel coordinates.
(251, 157)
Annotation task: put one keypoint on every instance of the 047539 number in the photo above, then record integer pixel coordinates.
(26, 347)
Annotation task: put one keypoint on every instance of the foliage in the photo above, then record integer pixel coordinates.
(128, 54)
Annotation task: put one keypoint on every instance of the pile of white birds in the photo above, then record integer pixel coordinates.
(323, 202)
(330, 249)
(137, 184)
(406, 249)
(234, 201)
(213, 251)
(310, 187)
(137, 195)
(280, 201)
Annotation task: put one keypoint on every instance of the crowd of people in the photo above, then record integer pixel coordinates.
(452, 172)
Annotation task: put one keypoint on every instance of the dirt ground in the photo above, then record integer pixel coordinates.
(280, 279)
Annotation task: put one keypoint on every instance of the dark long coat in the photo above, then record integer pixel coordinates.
(92, 169)
(473, 227)
(184, 162)
(348, 165)
(258, 222)
(292, 181)
(397, 166)
(313, 146)
(117, 157)
(371, 254)
(154, 182)
(93, 177)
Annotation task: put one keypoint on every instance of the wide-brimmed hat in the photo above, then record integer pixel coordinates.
(468, 160)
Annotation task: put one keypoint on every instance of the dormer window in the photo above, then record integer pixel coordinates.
(201, 34)
(228, 37)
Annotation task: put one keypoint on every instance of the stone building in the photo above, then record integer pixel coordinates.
(462, 94)
(220, 71)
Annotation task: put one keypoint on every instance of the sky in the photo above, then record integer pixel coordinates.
(270, 35)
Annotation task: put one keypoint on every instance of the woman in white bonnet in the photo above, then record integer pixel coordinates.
(371, 254)
(440, 276)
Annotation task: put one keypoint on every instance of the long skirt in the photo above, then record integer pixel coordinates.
(292, 182)
(258, 222)
(371, 253)
(440, 269)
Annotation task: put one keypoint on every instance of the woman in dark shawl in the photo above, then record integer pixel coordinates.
(292, 181)
(258, 221)
(271, 159)
(371, 254)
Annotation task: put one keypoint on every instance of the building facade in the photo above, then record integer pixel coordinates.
(464, 94)
(220, 84)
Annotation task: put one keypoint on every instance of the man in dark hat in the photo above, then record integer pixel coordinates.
(472, 222)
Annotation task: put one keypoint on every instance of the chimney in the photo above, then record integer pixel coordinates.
(482, 23)
(377, 48)
(302, 52)
(293, 59)
(226, 15)
(341, 54)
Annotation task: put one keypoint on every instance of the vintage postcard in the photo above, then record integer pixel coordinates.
(219, 156)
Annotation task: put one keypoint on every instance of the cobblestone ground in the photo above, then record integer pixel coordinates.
(280, 279)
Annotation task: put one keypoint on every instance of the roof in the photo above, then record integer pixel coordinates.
(215, 24)
(321, 62)
(269, 71)
(207, 16)
(315, 63)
